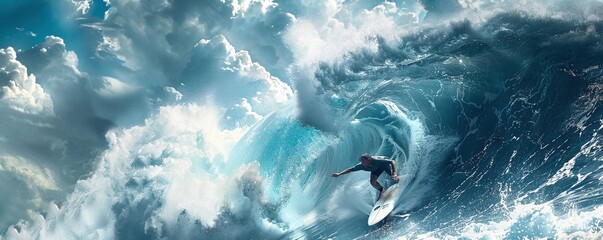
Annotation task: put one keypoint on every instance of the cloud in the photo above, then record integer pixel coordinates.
(49, 144)
(241, 114)
(52, 63)
(173, 93)
(277, 92)
(336, 33)
(241, 6)
(36, 176)
(266, 29)
(91, 101)
(155, 37)
(218, 70)
(20, 91)
(113, 87)
(166, 45)
(27, 187)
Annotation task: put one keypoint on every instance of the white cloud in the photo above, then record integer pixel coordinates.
(174, 93)
(242, 78)
(156, 36)
(241, 114)
(240, 62)
(37, 176)
(82, 5)
(51, 124)
(19, 89)
(334, 34)
(111, 45)
(52, 62)
(241, 6)
(114, 87)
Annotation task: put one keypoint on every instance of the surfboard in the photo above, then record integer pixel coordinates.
(384, 205)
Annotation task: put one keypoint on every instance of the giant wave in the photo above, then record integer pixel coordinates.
(495, 122)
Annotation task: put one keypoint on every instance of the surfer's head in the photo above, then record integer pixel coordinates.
(365, 159)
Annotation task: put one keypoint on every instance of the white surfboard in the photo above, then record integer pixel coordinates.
(384, 205)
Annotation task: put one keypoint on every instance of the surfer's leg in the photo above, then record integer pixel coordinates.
(374, 176)
(376, 184)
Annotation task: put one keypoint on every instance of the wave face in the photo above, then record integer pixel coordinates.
(495, 122)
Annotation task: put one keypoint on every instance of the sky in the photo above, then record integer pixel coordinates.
(85, 84)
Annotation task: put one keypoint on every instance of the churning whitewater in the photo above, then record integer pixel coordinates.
(225, 120)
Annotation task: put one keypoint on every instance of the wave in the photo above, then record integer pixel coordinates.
(495, 125)
(515, 104)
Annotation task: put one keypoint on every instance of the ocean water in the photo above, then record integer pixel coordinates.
(496, 127)
(495, 120)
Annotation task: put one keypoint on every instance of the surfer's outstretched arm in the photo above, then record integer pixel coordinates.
(349, 170)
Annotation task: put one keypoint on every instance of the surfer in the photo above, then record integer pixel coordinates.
(376, 167)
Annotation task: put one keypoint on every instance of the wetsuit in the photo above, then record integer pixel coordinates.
(377, 167)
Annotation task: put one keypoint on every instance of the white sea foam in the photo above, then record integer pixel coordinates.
(167, 167)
